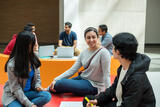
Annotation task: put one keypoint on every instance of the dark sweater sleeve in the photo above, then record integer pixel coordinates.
(108, 94)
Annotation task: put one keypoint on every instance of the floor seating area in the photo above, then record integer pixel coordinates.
(57, 98)
(53, 67)
(50, 69)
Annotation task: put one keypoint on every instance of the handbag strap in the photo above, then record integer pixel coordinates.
(91, 60)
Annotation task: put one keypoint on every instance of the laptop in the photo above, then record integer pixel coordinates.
(46, 51)
(65, 52)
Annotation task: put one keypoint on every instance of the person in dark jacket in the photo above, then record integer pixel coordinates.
(131, 87)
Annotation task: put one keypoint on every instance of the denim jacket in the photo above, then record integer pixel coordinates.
(13, 88)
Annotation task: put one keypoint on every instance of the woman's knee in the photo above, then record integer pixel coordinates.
(89, 91)
(60, 84)
(46, 95)
(14, 103)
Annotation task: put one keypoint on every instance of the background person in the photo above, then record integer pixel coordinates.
(106, 38)
(68, 38)
(8, 49)
(11, 44)
(33, 31)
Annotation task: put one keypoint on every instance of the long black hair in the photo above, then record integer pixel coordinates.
(23, 55)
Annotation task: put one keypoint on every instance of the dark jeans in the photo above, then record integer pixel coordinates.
(38, 98)
(107, 104)
(77, 85)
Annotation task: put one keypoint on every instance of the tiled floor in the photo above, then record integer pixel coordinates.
(155, 62)
(154, 53)
(154, 71)
(154, 78)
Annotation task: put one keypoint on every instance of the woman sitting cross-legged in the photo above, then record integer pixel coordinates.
(96, 76)
(23, 87)
(131, 87)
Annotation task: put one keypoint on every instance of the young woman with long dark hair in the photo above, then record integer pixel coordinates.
(23, 87)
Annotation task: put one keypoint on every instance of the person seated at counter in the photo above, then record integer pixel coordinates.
(68, 38)
(29, 27)
(96, 75)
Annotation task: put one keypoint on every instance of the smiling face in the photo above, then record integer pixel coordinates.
(91, 39)
(100, 32)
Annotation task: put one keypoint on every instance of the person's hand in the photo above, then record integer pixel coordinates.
(51, 88)
(34, 106)
(40, 89)
(92, 103)
(113, 99)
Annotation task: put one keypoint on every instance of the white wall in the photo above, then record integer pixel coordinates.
(71, 14)
(119, 15)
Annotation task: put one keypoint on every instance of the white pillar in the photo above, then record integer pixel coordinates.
(71, 14)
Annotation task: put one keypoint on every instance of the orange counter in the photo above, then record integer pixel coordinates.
(50, 68)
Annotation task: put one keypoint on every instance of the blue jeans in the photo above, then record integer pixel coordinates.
(38, 98)
(77, 85)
